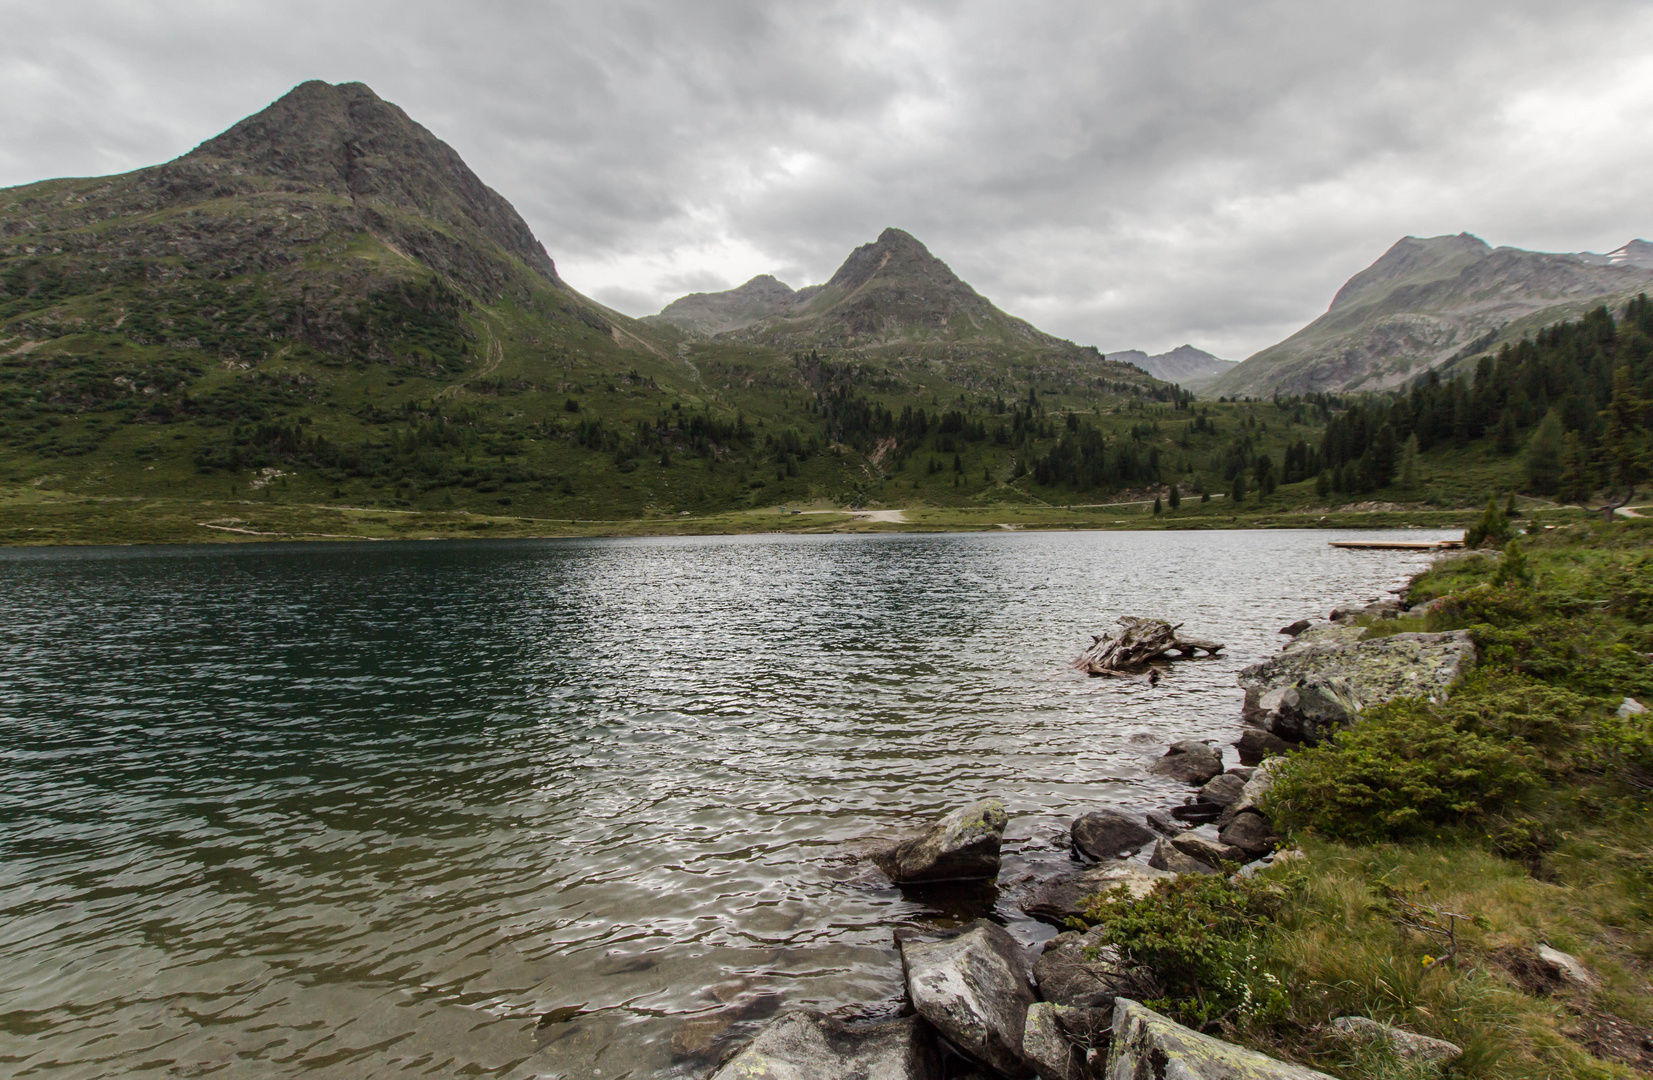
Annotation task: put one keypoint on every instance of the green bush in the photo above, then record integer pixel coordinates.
(1402, 771)
(1202, 935)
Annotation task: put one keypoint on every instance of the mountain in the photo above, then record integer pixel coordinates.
(1185, 365)
(895, 301)
(1430, 301)
(324, 305)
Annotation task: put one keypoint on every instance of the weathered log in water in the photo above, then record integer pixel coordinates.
(1138, 645)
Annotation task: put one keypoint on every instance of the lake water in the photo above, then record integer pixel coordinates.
(554, 808)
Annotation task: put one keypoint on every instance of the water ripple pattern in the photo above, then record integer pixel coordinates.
(526, 808)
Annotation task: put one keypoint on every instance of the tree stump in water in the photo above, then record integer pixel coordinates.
(1140, 644)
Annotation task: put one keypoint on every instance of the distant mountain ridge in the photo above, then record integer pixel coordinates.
(1184, 365)
(1429, 301)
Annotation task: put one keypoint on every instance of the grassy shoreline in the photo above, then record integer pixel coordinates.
(1441, 844)
(31, 516)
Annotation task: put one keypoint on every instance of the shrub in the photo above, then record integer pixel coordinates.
(1201, 934)
(1403, 770)
(1493, 526)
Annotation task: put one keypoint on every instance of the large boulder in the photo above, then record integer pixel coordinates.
(1148, 1046)
(1065, 897)
(1208, 851)
(1320, 635)
(1334, 682)
(813, 1046)
(1103, 834)
(1222, 790)
(1255, 744)
(1190, 761)
(962, 846)
(973, 988)
(1058, 1039)
(1260, 784)
(1083, 970)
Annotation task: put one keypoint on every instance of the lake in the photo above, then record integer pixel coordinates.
(556, 808)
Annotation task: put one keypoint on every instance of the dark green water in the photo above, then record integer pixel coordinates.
(375, 810)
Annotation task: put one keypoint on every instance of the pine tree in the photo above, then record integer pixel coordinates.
(1158, 509)
(1543, 465)
(1237, 492)
(1575, 483)
(1176, 497)
(1624, 443)
(1409, 464)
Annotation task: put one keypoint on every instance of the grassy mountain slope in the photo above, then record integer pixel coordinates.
(1428, 302)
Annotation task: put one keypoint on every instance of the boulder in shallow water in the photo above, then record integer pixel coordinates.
(973, 988)
(1254, 744)
(1190, 761)
(963, 846)
(1062, 898)
(1103, 834)
(1148, 1045)
(1167, 857)
(813, 1046)
(1222, 790)
(1405, 1045)
(1083, 970)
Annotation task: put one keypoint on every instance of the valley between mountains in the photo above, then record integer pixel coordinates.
(322, 323)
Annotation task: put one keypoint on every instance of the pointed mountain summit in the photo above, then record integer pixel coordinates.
(1184, 365)
(1429, 302)
(348, 142)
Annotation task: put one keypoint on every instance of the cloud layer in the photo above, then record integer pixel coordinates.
(1127, 175)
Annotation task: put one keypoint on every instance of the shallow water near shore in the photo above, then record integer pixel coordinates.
(556, 808)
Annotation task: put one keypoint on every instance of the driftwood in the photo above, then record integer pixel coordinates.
(1139, 645)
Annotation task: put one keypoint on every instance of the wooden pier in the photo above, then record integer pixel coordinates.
(1397, 545)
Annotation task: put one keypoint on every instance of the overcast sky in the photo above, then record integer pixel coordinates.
(1125, 174)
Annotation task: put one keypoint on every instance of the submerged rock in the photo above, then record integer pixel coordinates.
(1103, 834)
(1084, 970)
(1063, 898)
(1405, 1044)
(973, 988)
(813, 1046)
(1190, 761)
(963, 846)
(1148, 1046)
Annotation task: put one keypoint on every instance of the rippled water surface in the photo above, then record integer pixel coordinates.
(552, 808)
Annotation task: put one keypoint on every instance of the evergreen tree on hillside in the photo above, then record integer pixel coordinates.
(1543, 465)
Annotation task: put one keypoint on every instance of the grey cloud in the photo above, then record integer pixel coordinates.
(1123, 174)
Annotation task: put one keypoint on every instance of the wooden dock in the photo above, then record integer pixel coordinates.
(1397, 545)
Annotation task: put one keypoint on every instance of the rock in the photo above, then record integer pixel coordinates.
(1335, 682)
(1261, 782)
(1147, 1045)
(1163, 823)
(1293, 629)
(1222, 790)
(1189, 761)
(1166, 857)
(1197, 813)
(813, 1046)
(1244, 772)
(1425, 609)
(1565, 966)
(1084, 970)
(962, 846)
(1324, 635)
(1255, 744)
(1103, 834)
(973, 988)
(1251, 833)
(1058, 1038)
(1630, 707)
(1405, 1044)
(1063, 898)
(1210, 852)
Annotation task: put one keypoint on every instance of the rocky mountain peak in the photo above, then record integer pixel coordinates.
(1411, 259)
(896, 255)
(345, 140)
